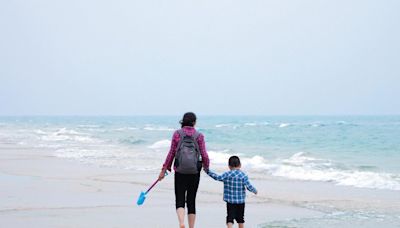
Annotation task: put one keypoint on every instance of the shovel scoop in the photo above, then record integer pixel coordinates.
(142, 196)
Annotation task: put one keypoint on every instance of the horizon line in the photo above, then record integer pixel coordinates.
(167, 115)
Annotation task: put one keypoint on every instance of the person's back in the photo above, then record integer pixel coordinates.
(187, 147)
(235, 184)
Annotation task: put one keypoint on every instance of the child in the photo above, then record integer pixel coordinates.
(235, 182)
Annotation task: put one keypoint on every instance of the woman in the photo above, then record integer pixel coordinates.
(186, 183)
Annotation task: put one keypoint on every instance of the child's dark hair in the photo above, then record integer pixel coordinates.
(189, 119)
(234, 161)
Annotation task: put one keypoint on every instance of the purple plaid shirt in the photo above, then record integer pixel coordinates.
(174, 144)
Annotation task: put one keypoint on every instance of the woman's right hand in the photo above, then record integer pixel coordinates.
(162, 175)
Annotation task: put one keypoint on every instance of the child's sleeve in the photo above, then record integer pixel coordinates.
(248, 185)
(216, 176)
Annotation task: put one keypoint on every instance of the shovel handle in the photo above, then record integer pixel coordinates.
(148, 190)
(155, 182)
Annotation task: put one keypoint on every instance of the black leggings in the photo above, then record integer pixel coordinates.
(185, 191)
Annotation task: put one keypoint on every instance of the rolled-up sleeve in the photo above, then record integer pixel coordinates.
(248, 185)
(203, 151)
(171, 154)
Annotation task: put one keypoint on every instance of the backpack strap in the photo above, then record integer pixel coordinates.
(195, 136)
(182, 134)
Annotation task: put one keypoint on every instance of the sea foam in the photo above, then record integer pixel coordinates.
(64, 134)
(302, 167)
(158, 128)
(165, 143)
(282, 125)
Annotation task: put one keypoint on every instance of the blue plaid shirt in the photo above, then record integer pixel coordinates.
(235, 184)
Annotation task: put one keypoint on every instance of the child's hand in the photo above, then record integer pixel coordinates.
(256, 192)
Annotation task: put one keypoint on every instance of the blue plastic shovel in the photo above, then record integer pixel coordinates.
(143, 195)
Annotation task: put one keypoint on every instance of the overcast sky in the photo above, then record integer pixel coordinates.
(213, 57)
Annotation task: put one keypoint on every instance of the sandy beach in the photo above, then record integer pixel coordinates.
(40, 190)
(93, 96)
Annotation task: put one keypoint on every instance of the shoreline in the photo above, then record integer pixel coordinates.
(42, 190)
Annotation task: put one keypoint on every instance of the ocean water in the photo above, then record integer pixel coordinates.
(356, 151)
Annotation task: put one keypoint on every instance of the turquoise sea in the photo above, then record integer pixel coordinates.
(356, 151)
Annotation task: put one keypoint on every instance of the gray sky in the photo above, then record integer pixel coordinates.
(212, 57)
